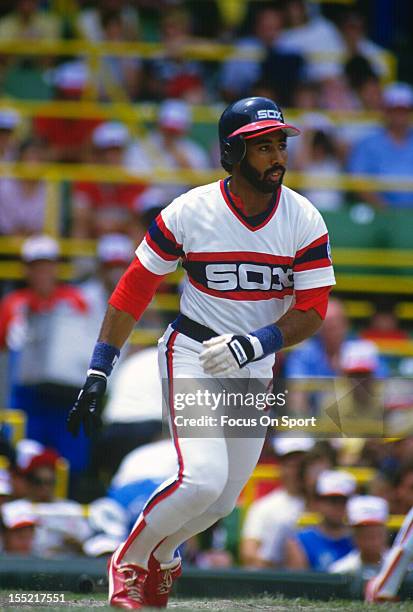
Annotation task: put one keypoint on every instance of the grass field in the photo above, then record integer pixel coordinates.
(277, 604)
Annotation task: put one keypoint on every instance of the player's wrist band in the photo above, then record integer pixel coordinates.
(270, 339)
(104, 357)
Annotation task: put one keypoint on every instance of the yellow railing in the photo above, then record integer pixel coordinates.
(109, 174)
(271, 473)
(309, 519)
(16, 420)
(148, 112)
(342, 256)
(196, 49)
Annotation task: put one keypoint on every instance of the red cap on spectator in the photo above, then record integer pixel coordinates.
(47, 458)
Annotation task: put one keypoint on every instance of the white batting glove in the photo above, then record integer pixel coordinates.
(228, 353)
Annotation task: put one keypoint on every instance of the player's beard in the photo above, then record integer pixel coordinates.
(261, 184)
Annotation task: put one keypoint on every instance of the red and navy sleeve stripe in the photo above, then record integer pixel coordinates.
(162, 241)
(313, 256)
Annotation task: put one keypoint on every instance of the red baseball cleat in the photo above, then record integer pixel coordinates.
(158, 585)
(126, 585)
(371, 594)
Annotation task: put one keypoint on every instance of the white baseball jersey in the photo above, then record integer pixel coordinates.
(240, 277)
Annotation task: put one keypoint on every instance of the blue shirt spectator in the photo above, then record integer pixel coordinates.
(322, 545)
(389, 152)
(322, 550)
(311, 359)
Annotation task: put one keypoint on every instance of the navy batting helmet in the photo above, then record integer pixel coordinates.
(244, 119)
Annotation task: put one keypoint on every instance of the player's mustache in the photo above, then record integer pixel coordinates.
(275, 168)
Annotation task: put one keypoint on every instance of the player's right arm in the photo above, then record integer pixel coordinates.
(157, 255)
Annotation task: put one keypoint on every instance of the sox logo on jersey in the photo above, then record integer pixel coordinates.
(248, 274)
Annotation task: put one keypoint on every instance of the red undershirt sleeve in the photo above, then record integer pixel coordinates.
(316, 298)
(135, 289)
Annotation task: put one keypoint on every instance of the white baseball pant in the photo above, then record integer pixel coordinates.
(212, 471)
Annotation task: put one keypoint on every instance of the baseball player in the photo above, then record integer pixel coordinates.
(385, 585)
(259, 272)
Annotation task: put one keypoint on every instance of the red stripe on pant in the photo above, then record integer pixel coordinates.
(173, 486)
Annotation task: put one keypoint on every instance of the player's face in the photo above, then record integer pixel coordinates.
(265, 161)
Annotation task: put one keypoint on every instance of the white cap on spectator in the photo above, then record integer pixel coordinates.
(17, 514)
(100, 544)
(398, 95)
(26, 449)
(71, 76)
(110, 134)
(367, 510)
(5, 484)
(335, 482)
(9, 118)
(175, 115)
(317, 122)
(284, 445)
(40, 247)
(359, 356)
(115, 248)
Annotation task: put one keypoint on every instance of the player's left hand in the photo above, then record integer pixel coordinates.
(225, 354)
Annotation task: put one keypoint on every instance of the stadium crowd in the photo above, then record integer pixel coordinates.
(346, 78)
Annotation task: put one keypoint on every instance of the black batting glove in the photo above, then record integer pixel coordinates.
(88, 406)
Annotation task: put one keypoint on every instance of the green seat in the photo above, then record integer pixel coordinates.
(26, 83)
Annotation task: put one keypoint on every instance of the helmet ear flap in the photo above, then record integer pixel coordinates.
(232, 151)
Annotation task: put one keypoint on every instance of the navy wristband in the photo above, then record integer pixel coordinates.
(104, 357)
(270, 337)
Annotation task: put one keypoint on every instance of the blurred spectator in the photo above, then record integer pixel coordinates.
(367, 515)
(318, 154)
(40, 475)
(281, 506)
(28, 21)
(307, 96)
(277, 549)
(369, 93)
(312, 36)
(363, 81)
(133, 413)
(107, 207)
(166, 148)
(320, 458)
(359, 395)
(9, 121)
(239, 75)
(35, 322)
(114, 253)
(389, 152)
(174, 76)
(330, 540)
(26, 449)
(18, 528)
(320, 356)
(67, 138)
(355, 42)
(402, 499)
(61, 528)
(384, 325)
(336, 93)
(118, 77)
(140, 474)
(91, 21)
(23, 201)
